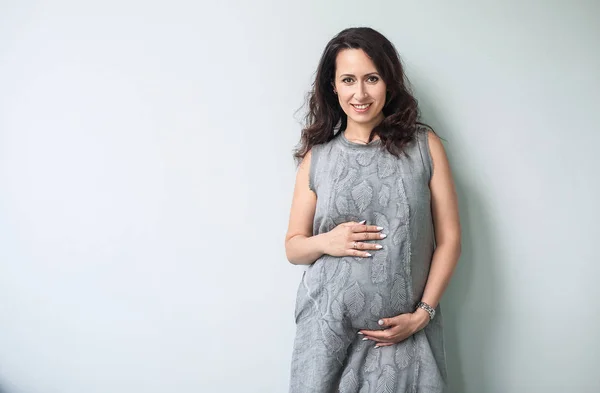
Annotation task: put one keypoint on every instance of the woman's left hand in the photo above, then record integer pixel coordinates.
(398, 328)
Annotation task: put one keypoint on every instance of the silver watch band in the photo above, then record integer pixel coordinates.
(427, 308)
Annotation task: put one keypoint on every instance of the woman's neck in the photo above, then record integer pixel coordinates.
(361, 132)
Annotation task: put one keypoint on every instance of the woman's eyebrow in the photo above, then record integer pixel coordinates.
(354, 76)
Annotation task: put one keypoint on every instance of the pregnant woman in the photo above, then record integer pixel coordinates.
(374, 218)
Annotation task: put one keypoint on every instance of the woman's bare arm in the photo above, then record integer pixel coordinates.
(301, 247)
(446, 223)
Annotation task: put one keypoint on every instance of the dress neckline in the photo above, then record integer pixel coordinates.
(345, 141)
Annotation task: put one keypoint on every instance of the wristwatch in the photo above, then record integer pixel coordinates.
(427, 308)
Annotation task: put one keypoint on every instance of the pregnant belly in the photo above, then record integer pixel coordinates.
(357, 291)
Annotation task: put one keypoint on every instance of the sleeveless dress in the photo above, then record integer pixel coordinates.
(338, 296)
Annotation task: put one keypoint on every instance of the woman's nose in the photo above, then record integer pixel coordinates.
(361, 92)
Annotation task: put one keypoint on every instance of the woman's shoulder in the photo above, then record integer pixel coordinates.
(324, 148)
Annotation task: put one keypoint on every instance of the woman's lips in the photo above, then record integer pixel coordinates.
(361, 108)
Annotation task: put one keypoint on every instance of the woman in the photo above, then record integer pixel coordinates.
(375, 217)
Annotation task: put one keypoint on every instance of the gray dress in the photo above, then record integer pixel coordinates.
(337, 296)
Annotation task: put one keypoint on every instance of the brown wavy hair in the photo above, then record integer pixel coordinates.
(324, 112)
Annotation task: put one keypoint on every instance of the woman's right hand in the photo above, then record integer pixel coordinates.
(348, 239)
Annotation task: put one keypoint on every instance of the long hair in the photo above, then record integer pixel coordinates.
(324, 112)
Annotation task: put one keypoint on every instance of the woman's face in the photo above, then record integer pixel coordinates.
(360, 89)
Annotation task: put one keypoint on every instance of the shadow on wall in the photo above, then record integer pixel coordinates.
(469, 303)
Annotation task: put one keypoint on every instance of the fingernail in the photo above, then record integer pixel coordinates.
(383, 235)
(376, 346)
(369, 255)
(364, 339)
(361, 333)
(379, 246)
(379, 228)
(380, 322)
(363, 221)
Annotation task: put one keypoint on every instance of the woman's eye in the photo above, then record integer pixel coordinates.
(347, 80)
(373, 79)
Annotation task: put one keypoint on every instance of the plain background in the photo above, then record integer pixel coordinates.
(146, 178)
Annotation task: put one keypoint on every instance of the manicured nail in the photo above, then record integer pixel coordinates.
(376, 346)
(365, 339)
(363, 221)
(379, 228)
(379, 246)
(383, 236)
(380, 322)
(369, 255)
(361, 333)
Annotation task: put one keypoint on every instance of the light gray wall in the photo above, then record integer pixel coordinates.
(146, 179)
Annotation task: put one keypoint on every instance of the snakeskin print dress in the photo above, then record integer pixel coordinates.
(337, 296)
